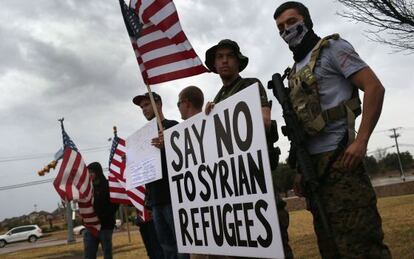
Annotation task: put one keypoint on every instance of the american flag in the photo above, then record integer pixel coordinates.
(74, 184)
(161, 47)
(117, 182)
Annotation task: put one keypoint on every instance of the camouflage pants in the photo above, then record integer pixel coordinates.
(350, 204)
(283, 220)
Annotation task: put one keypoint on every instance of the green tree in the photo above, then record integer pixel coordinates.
(390, 161)
(407, 159)
(371, 165)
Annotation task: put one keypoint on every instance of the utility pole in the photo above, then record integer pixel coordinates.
(69, 221)
(121, 213)
(395, 136)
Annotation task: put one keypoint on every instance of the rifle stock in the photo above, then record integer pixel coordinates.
(299, 157)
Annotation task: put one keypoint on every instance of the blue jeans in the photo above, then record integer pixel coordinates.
(149, 237)
(164, 226)
(91, 243)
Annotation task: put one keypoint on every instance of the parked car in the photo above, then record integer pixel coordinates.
(79, 230)
(29, 232)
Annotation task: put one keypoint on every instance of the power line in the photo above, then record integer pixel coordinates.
(379, 131)
(102, 148)
(27, 184)
(395, 136)
(42, 155)
(387, 130)
(33, 183)
(380, 149)
(407, 145)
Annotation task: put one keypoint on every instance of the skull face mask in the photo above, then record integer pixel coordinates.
(293, 35)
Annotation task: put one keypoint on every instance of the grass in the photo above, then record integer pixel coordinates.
(397, 223)
(396, 213)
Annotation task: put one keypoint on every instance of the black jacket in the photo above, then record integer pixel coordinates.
(158, 192)
(104, 209)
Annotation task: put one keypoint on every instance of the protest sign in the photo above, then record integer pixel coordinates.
(143, 160)
(220, 181)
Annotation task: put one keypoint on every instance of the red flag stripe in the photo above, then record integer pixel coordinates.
(88, 194)
(176, 75)
(118, 190)
(156, 44)
(172, 26)
(67, 181)
(116, 175)
(84, 181)
(168, 60)
(59, 178)
(73, 183)
(162, 49)
(90, 216)
(137, 197)
(121, 201)
(138, 194)
(117, 165)
(141, 188)
(168, 50)
(149, 30)
(117, 183)
(154, 9)
(85, 205)
(151, 42)
(122, 146)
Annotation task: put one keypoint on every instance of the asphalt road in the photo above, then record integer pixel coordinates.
(391, 180)
(44, 242)
(13, 247)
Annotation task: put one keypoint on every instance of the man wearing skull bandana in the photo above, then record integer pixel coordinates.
(329, 72)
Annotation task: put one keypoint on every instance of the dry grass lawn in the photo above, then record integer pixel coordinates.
(396, 212)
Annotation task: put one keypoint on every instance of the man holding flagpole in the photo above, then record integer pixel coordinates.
(163, 53)
(158, 192)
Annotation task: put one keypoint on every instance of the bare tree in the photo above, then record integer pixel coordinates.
(381, 153)
(394, 18)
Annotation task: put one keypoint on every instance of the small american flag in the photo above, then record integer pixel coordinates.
(116, 179)
(74, 184)
(161, 47)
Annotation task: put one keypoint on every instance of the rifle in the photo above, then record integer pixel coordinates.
(299, 156)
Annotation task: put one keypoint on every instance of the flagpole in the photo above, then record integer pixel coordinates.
(122, 208)
(127, 222)
(69, 221)
(134, 26)
(115, 131)
(154, 107)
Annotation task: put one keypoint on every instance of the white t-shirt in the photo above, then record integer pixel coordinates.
(336, 63)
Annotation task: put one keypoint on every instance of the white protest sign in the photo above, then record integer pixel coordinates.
(143, 160)
(220, 181)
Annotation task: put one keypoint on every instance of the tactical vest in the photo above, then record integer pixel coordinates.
(305, 98)
(241, 84)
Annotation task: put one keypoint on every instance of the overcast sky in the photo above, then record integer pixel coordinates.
(73, 59)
